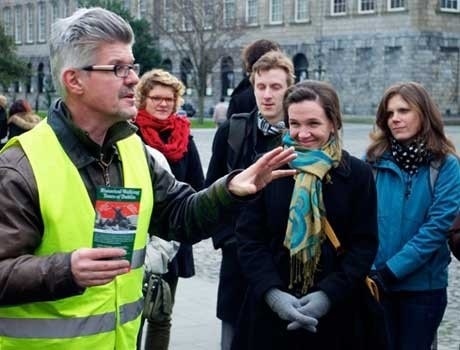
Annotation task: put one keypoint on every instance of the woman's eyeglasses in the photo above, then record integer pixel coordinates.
(159, 99)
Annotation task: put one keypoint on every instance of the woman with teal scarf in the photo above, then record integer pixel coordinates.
(303, 294)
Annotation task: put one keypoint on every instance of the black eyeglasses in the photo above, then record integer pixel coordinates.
(120, 70)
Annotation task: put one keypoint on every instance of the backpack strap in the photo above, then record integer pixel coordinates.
(435, 165)
(237, 133)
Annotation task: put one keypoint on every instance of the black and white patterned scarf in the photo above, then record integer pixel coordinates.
(267, 128)
(409, 157)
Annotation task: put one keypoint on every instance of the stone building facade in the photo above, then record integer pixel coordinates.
(29, 24)
(360, 46)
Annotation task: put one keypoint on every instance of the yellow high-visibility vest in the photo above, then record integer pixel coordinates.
(102, 318)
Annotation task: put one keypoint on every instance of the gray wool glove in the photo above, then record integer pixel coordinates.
(315, 305)
(286, 306)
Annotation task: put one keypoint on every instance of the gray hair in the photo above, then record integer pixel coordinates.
(75, 40)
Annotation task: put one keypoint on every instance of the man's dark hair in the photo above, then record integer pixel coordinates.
(252, 52)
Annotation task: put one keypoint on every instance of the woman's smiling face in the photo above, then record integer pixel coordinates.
(308, 124)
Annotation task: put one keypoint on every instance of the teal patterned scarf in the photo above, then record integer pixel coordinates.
(304, 233)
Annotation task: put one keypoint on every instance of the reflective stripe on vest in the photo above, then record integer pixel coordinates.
(103, 317)
(68, 328)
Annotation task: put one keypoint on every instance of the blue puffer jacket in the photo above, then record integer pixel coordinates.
(413, 220)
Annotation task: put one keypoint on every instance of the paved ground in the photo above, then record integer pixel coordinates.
(195, 326)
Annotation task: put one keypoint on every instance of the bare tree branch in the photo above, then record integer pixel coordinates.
(201, 31)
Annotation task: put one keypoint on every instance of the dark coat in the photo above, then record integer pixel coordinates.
(190, 171)
(3, 124)
(242, 99)
(350, 202)
(232, 284)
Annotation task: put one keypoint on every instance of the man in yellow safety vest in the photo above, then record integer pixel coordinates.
(70, 272)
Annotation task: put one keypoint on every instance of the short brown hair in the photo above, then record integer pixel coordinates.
(252, 52)
(154, 78)
(274, 60)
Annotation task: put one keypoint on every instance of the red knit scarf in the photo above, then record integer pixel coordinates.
(178, 128)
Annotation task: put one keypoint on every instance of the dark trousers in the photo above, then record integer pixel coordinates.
(413, 318)
(157, 334)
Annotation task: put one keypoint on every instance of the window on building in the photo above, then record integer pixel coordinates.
(276, 11)
(208, 14)
(166, 64)
(187, 24)
(65, 8)
(41, 22)
(30, 23)
(301, 10)
(209, 83)
(396, 5)
(450, 5)
(300, 67)
(229, 13)
(18, 24)
(227, 76)
(167, 9)
(29, 79)
(17, 86)
(142, 9)
(40, 77)
(366, 6)
(54, 11)
(8, 21)
(338, 7)
(186, 69)
(252, 7)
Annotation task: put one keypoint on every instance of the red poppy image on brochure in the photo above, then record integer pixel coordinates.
(117, 210)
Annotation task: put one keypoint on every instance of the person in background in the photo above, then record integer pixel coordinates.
(303, 294)
(242, 99)
(418, 189)
(219, 114)
(60, 288)
(21, 118)
(271, 75)
(3, 121)
(158, 96)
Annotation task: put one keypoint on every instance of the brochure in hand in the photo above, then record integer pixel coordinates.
(117, 210)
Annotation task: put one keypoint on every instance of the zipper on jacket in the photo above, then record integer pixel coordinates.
(105, 168)
(408, 187)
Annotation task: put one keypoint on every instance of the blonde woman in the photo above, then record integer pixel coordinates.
(158, 96)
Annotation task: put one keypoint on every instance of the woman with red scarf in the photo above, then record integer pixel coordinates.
(158, 96)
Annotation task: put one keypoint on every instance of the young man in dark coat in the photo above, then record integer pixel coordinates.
(271, 75)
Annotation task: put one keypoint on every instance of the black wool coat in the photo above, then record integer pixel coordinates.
(350, 200)
(189, 170)
(242, 99)
(232, 285)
